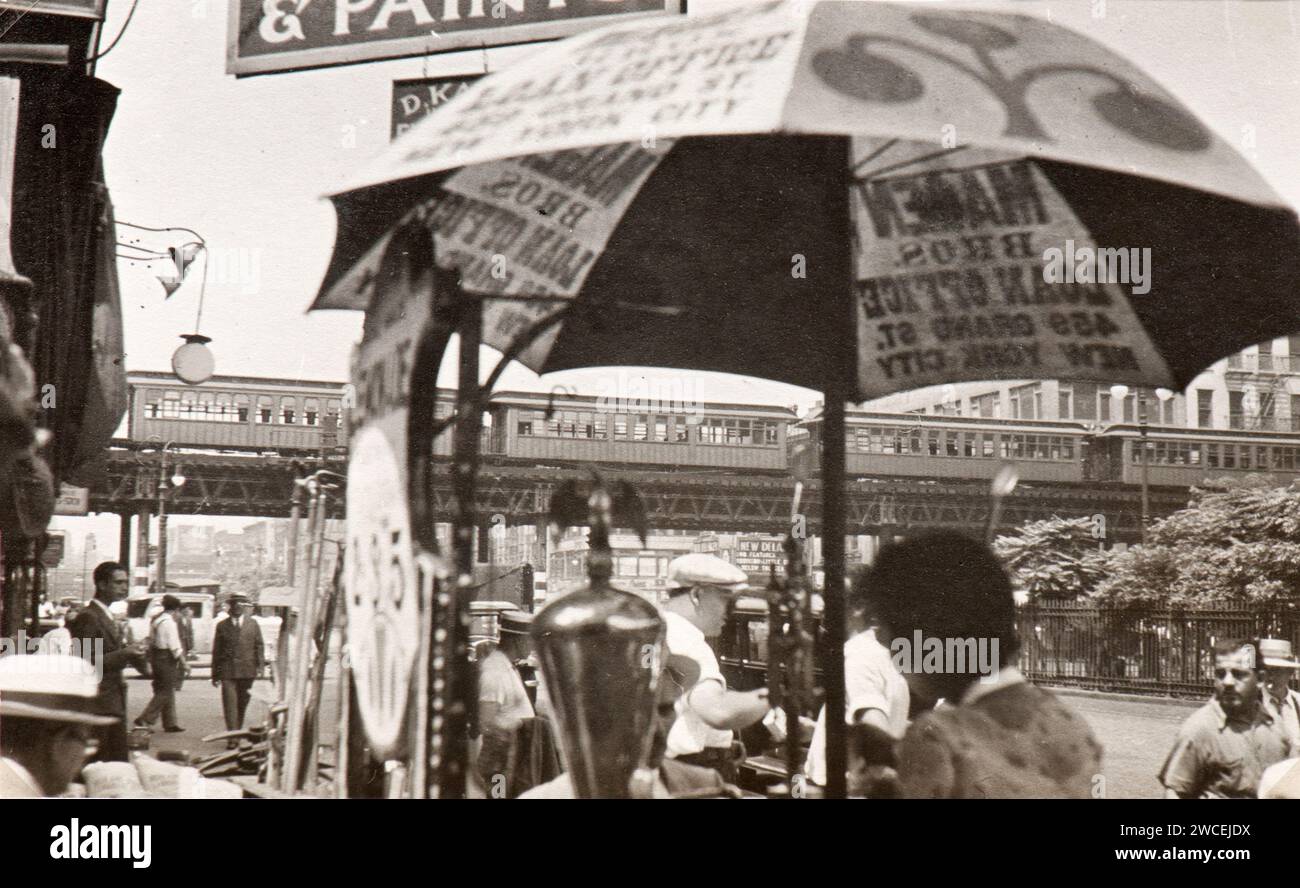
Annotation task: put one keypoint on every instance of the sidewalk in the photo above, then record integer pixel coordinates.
(1125, 698)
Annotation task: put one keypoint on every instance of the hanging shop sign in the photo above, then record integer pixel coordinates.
(414, 100)
(285, 35)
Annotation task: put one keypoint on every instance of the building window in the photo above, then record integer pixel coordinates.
(153, 404)
(1167, 411)
(1266, 355)
(1064, 395)
(1026, 401)
(1204, 408)
(1130, 402)
(1103, 406)
(1236, 411)
(986, 405)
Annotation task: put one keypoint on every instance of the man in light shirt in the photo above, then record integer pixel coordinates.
(875, 692)
(166, 658)
(701, 588)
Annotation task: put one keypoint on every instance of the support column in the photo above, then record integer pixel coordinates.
(140, 579)
(123, 539)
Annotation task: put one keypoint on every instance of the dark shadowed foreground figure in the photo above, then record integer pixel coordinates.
(996, 736)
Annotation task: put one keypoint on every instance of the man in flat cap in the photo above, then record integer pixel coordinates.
(701, 589)
(237, 661)
(47, 722)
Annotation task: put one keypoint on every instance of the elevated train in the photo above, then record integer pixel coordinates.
(234, 413)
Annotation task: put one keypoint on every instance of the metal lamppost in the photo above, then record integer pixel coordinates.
(164, 485)
(1120, 392)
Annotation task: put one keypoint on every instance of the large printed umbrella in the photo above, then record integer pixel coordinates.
(858, 197)
(993, 195)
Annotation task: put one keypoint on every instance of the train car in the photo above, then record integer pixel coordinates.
(238, 413)
(921, 446)
(1190, 457)
(540, 428)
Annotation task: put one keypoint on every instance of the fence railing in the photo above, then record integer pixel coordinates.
(1167, 651)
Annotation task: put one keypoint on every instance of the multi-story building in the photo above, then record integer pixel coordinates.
(1258, 389)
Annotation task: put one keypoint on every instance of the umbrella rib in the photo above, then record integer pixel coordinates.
(907, 163)
(874, 154)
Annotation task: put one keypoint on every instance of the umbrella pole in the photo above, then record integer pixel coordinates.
(841, 340)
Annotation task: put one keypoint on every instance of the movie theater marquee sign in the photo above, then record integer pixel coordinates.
(283, 35)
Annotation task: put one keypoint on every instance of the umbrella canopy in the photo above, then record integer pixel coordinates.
(999, 196)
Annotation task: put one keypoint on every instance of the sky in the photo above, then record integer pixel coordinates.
(245, 162)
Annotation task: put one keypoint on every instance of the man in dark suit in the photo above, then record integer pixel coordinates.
(100, 641)
(237, 659)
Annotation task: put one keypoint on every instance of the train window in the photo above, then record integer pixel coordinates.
(600, 426)
(1244, 456)
(932, 442)
(310, 411)
(681, 431)
(647, 566)
(1284, 457)
(950, 440)
(187, 405)
(862, 440)
(1212, 456)
(1229, 456)
(1261, 457)
(153, 403)
(1194, 454)
(265, 407)
(568, 424)
(661, 428)
(989, 445)
(640, 427)
(1067, 449)
(241, 408)
(626, 565)
(771, 433)
(620, 426)
(914, 442)
(525, 425)
(288, 410)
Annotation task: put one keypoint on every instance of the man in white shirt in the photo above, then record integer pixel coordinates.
(701, 588)
(502, 698)
(167, 658)
(875, 693)
(47, 722)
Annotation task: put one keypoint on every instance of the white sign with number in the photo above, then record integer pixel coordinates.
(382, 595)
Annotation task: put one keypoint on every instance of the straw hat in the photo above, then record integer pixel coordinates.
(52, 687)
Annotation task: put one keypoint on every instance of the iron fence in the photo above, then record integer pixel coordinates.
(1143, 650)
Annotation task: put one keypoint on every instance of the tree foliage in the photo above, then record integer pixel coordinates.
(1241, 543)
(1056, 558)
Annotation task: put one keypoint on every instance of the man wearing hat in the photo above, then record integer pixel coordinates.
(701, 589)
(1280, 700)
(47, 722)
(237, 660)
(503, 702)
(167, 659)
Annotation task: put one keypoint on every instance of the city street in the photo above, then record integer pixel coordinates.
(1136, 733)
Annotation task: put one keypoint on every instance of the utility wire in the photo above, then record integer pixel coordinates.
(99, 56)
